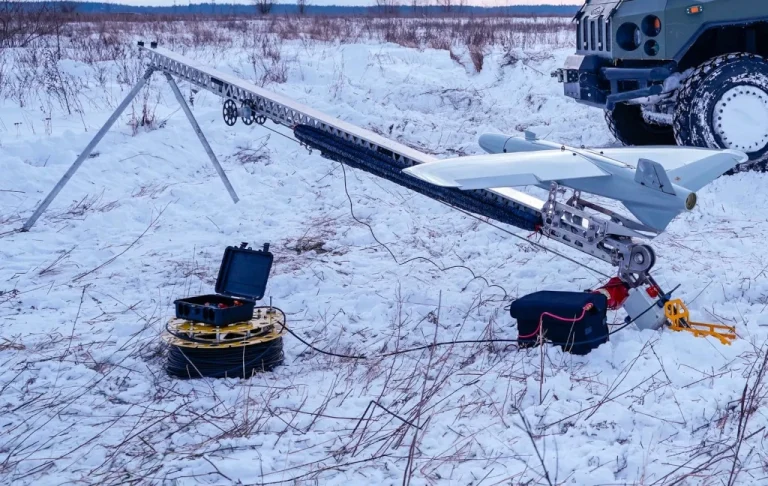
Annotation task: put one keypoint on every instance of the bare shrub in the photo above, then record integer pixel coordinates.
(4, 78)
(301, 6)
(267, 63)
(253, 155)
(400, 33)
(287, 28)
(25, 81)
(202, 35)
(88, 204)
(152, 190)
(454, 57)
(304, 245)
(21, 25)
(61, 86)
(388, 7)
(144, 118)
(477, 57)
(319, 231)
(264, 7)
(55, 266)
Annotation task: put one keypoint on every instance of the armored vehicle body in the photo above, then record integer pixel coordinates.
(675, 71)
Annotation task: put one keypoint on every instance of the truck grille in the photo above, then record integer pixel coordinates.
(594, 35)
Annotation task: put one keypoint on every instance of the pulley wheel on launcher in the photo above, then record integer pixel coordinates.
(643, 259)
(230, 112)
(249, 114)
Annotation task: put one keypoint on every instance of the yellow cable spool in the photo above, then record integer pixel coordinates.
(267, 324)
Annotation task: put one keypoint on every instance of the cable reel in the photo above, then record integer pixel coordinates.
(239, 350)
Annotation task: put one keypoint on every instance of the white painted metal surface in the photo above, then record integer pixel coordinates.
(670, 157)
(688, 167)
(518, 169)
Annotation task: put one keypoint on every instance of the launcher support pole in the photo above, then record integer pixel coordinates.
(201, 136)
(84, 155)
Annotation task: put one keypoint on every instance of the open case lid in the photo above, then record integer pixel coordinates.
(244, 272)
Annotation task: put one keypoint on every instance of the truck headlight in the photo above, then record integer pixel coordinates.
(628, 36)
(651, 26)
(651, 47)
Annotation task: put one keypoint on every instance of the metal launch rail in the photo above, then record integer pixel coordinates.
(610, 238)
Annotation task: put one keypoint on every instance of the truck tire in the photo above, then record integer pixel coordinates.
(724, 104)
(627, 124)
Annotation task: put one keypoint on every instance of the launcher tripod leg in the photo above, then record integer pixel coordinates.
(199, 132)
(84, 155)
(104, 129)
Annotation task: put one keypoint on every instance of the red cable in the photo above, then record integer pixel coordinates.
(564, 319)
(536, 229)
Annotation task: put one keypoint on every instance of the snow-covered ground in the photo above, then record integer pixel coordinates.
(85, 295)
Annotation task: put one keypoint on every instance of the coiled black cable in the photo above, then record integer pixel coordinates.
(192, 355)
(241, 361)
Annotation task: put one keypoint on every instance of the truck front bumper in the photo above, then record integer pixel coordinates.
(591, 80)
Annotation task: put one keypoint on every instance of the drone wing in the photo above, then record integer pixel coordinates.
(506, 170)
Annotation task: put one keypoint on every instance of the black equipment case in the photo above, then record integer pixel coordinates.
(574, 337)
(242, 281)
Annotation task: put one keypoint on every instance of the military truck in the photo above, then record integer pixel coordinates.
(669, 72)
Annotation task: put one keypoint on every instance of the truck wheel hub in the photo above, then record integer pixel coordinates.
(741, 118)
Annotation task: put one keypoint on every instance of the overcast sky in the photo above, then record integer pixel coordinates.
(344, 2)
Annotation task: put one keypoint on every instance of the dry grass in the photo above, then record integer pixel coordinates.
(105, 46)
(447, 392)
(222, 31)
(80, 209)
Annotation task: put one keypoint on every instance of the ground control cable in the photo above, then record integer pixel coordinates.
(659, 302)
(244, 349)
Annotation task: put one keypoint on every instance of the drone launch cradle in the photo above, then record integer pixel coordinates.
(606, 236)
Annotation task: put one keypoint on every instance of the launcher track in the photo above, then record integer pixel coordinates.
(346, 143)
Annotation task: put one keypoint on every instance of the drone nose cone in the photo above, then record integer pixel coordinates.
(492, 143)
(690, 201)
